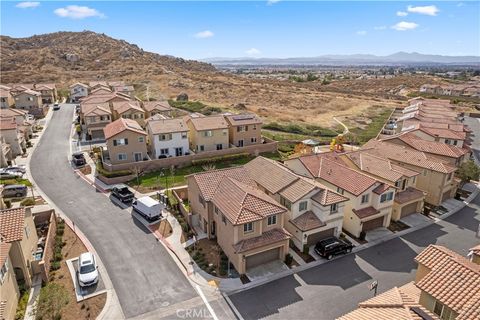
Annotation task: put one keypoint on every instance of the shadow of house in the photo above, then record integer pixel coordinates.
(266, 300)
(385, 257)
(321, 275)
(466, 219)
(427, 236)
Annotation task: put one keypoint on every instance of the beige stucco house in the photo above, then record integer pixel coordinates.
(207, 133)
(157, 107)
(95, 118)
(129, 110)
(13, 136)
(28, 100)
(435, 178)
(48, 92)
(78, 90)
(370, 201)
(247, 224)
(126, 142)
(244, 129)
(6, 97)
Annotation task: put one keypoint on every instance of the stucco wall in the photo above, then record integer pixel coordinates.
(9, 292)
(132, 147)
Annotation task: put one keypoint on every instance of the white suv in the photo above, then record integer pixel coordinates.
(87, 270)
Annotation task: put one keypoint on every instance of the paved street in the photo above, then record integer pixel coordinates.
(335, 288)
(143, 274)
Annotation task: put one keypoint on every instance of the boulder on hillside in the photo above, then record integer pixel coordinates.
(239, 106)
(182, 97)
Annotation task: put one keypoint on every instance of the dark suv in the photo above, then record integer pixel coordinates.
(122, 193)
(330, 247)
(78, 159)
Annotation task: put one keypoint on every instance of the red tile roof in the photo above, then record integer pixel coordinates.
(308, 221)
(208, 123)
(243, 119)
(267, 238)
(157, 105)
(433, 147)
(123, 106)
(11, 224)
(120, 125)
(365, 212)
(167, 125)
(8, 124)
(408, 195)
(4, 250)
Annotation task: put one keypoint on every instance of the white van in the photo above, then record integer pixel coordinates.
(150, 208)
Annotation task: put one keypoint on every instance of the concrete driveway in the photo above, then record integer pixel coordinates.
(143, 274)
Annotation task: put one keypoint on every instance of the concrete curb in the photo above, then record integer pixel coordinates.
(112, 298)
(313, 264)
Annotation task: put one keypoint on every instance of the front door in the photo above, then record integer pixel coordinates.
(178, 152)
(240, 143)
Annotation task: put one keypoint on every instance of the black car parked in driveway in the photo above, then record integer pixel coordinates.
(78, 159)
(122, 193)
(330, 247)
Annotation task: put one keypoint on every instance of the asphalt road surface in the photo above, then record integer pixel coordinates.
(335, 288)
(143, 274)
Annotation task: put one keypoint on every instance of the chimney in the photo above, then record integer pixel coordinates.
(437, 139)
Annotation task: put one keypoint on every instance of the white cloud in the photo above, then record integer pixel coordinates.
(361, 32)
(403, 26)
(27, 4)
(204, 34)
(427, 10)
(402, 13)
(253, 52)
(270, 2)
(380, 28)
(78, 12)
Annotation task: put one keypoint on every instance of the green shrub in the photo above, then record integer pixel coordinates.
(55, 265)
(58, 256)
(8, 203)
(113, 174)
(220, 158)
(60, 232)
(27, 202)
(288, 259)
(22, 306)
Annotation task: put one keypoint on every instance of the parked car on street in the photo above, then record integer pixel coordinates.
(14, 191)
(122, 193)
(4, 174)
(87, 272)
(56, 106)
(20, 169)
(148, 207)
(78, 159)
(332, 246)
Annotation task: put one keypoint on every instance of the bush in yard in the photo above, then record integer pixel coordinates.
(55, 265)
(27, 202)
(288, 259)
(8, 204)
(305, 249)
(22, 306)
(468, 171)
(52, 300)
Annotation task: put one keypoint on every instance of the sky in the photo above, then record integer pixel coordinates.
(271, 28)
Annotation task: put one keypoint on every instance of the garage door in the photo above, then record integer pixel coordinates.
(262, 257)
(446, 195)
(408, 209)
(314, 238)
(97, 134)
(372, 224)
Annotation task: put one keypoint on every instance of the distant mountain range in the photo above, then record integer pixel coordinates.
(399, 58)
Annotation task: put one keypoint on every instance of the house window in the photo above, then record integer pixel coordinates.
(164, 137)
(27, 232)
(224, 219)
(414, 179)
(4, 270)
(284, 202)
(334, 208)
(447, 141)
(248, 227)
(449, 177)
(164, 151)
(120, 142)
(207, 133)
(224, 132)
(271, 220)
(442, 311)
(302, 206)
(184, 135)
(398, 183)
(141, 139)
(240, 128)
(122, 156)
(216, 210)
(219, 146)
(340, 190)
(254, 127)
(200, 199)
(365, 198)
(201, 148)
(253, 140)
(386, 197)
(455, 142)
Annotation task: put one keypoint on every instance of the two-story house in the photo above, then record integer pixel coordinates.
(6, 97)
(244, 129)
(157, 107)
(441, 133)
(20, 117)
(207, 133)
(435, 178)
(126, 141)
(129, 110)
(247, 224)
(77, 91)
(125, 89)
(370, 201)
(10, 131)
(446, 152)
(408, 199)
(48, 92)
(168, 138)
(28, 100)
(94, 118)
(314, 212)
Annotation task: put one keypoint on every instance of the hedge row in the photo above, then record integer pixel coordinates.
(220, 158)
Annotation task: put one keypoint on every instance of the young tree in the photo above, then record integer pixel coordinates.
(468, 171)
(53, 298)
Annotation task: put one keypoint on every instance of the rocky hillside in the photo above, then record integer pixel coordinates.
(62, 56)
